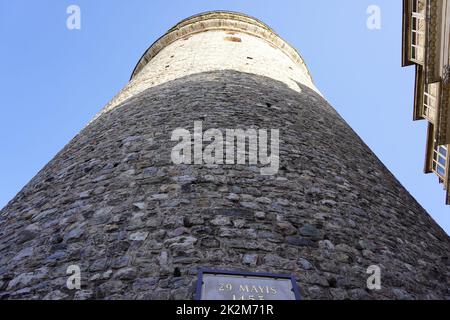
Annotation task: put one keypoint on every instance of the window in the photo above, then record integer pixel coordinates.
(440, 161)
(418, 31)
(233, 39)
(430, 98)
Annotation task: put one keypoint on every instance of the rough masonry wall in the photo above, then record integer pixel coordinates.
(112, 202)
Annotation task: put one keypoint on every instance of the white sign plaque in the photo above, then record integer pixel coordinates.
(226, 285)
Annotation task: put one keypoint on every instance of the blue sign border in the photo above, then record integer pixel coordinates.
(202, 271)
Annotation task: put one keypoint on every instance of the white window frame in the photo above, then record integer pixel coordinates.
(417, 53)
(430, 101)
(439, 161)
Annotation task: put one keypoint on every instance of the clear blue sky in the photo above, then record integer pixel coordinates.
(54, 80)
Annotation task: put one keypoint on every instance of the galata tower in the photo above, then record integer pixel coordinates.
(135, 221)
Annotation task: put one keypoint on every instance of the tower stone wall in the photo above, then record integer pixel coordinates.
(216, 41)
(139, 226)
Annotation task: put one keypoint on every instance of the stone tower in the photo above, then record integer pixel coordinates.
(139, 226)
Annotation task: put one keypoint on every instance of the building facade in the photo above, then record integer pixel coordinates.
(139, 226)
(426, 34)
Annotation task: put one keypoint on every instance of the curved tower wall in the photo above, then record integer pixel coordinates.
(113, 203)
(212, 42)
